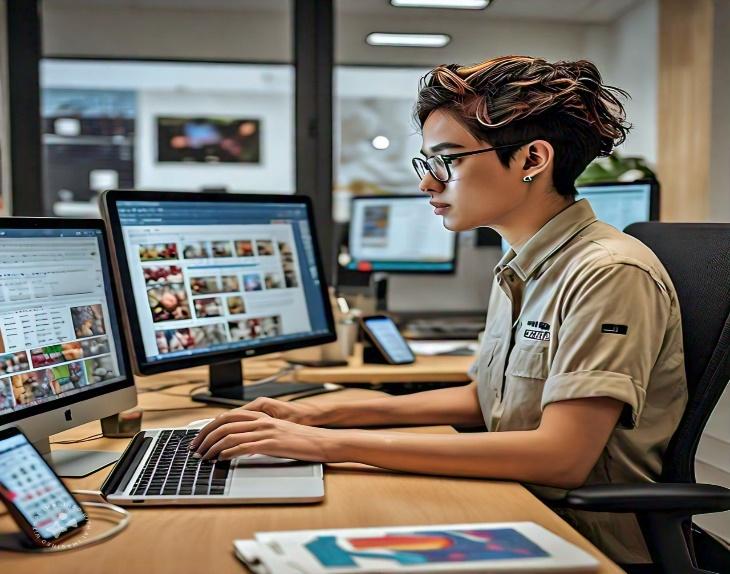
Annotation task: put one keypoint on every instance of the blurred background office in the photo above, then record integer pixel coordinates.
(315, 97)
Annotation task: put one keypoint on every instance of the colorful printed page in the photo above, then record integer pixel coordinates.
(505, 547)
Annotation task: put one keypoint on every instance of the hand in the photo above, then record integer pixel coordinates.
(241, 432)
(296, 412)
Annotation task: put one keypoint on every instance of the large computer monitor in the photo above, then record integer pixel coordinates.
(209, 279)
(63, 359)
(399, 234)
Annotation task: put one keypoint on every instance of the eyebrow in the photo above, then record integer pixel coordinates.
(442, 146)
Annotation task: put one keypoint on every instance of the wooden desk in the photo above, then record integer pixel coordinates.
(200, 539)
(436, 369)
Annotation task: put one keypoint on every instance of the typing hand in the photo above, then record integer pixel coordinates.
(241, 432)
(301, 413)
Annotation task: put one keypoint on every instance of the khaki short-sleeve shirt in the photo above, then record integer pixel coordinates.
(585, 310)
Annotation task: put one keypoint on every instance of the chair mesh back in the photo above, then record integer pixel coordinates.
(697, 258)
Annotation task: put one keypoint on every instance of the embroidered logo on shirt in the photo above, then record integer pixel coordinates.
(539, 325)
(537, 335)
(614, 329)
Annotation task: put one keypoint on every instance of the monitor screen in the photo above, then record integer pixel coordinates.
(399, 233)
(220, 276)
(58, 331)
(619, 204)
(211, 140)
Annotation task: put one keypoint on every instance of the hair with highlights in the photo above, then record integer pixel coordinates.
(518, 98)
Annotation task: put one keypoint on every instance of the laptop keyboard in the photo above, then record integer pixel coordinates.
(171, 469)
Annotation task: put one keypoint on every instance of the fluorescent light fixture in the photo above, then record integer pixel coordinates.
(380, 142)
(456, 4)
(412, 40)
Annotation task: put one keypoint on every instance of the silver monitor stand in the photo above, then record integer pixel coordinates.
(75, 463)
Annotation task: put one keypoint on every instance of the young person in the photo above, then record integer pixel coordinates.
(580, 375)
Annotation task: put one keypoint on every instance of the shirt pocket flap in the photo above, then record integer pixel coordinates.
(530, 364)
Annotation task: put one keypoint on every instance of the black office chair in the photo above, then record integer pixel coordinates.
(697, 257)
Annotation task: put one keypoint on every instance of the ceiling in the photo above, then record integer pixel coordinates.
(587, 11)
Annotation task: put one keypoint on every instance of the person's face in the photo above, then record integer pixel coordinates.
(481, 190)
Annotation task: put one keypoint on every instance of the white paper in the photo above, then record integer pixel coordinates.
(285, 552)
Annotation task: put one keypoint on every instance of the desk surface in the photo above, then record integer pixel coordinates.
(199, 539)
(439, 369)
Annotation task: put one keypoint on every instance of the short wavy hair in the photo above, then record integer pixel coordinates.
(518, 98)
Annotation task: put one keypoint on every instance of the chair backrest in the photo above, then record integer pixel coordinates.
(697, 258)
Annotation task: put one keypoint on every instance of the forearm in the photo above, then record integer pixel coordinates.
(455, 405)
(525, 456)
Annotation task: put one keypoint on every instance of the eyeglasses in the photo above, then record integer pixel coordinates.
(438, 165)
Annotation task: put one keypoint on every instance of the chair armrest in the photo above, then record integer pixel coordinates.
(688, 498)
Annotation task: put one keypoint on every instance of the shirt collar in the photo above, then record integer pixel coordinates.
(549, 239)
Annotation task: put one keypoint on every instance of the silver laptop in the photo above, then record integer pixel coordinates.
(158, 468)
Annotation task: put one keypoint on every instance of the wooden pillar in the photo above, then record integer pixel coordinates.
(685, 88)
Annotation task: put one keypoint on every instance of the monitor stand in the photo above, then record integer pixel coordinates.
(225, 386)
(75, 463)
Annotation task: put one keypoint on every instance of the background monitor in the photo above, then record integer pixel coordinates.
(399, 233)
(210, 279)
(620, 203)
(62, 355)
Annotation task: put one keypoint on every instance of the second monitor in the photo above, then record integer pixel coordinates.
(399, 233)
(211, 279)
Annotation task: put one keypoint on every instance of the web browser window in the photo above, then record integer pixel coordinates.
(57, 335)
(215, 276)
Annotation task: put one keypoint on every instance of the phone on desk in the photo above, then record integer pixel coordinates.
(37, 500)
(383, 333)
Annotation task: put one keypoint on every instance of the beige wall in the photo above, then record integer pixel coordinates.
(685, 80)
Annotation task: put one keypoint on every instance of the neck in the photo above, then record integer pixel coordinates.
(519, 225)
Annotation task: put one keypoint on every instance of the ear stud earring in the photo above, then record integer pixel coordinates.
(527, 178)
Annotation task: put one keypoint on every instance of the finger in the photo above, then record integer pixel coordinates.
(221, 432)
(231, 441)
(264, 405)
(264, 446)
(220, 420)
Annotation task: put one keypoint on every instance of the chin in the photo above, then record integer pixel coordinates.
(454, 224)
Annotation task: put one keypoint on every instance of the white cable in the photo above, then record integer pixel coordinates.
(116, 515)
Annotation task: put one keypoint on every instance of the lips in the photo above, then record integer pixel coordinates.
(438, 205)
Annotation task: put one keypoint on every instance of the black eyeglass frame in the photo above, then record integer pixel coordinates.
(448, 158)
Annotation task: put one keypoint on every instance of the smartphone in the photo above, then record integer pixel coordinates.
(38, 501)
(385, 335)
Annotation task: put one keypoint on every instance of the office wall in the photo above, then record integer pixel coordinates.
(258, 91)
(4, 125)
(720, 137)
(632, 52)
(78, 29)
(274, 174)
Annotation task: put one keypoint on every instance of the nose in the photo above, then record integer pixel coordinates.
(429, 184)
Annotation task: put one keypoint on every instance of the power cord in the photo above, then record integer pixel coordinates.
(104, 511)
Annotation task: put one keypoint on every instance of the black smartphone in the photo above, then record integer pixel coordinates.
(38, 501)
(385, 335)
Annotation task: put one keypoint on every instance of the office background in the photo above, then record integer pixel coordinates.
(106, 71)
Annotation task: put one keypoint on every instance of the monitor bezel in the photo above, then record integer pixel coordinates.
(82, 396)
(454, 261)
(141, 365)
(654, 196)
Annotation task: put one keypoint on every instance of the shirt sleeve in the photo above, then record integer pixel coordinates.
(614, 321)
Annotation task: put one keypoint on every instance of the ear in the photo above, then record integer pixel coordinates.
(538, 158)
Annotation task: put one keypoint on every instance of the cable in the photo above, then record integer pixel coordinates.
(96, 436)
(194, 408)
(112, 513)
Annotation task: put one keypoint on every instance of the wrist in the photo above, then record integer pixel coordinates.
(342, 444)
